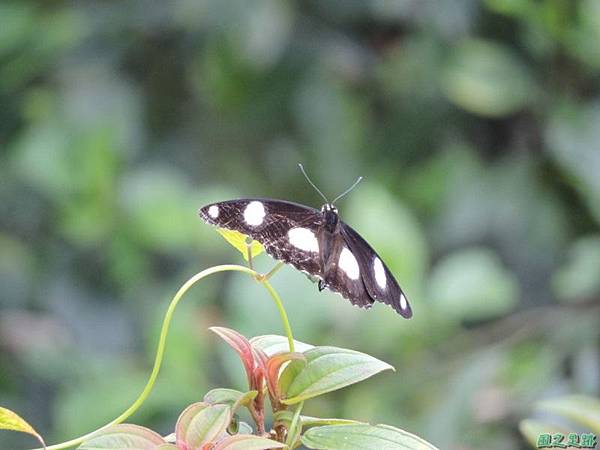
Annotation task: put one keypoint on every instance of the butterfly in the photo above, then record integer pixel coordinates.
(316, 242)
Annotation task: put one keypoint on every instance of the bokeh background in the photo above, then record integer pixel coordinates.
(476, 125)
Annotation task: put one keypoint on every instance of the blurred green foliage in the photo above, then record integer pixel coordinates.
(475, 124)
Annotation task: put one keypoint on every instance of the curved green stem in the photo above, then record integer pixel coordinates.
(163, 338)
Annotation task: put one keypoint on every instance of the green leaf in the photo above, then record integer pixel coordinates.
(272, 344)
(532, 429)
(201, 423)
(167, 447)
(363, 436)
(247, 442)
(486, 78)
(244, 428)
(579, 408)
(577, 279)
(326, 369)
(123, 436)
(230, 397)
(10, 420)
(571, 135)
(472, 284)
(285, 417)
(238, 240)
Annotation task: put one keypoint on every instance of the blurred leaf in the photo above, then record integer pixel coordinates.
(363, 436)
(532, 429)
(18, 19)
(472, 285)
(201, 423)
(333, 119)
(273, 344)
(247, 442)
(16, 271)
(239, 241)
(109, 394)
(486, 78)
(583, 37)
(10, 420)
(42, 160)
(572, 135)
(455, 399)
(264, 32)
(157, 203)
(510, 7)
(411, 68)
(580, 409)
(122, 437)
(578, 278)
(326, 369)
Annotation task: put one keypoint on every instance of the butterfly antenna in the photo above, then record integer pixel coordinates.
(358, 180)
(311, 183)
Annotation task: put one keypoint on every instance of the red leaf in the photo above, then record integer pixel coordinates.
(241, 345)
(273, 366)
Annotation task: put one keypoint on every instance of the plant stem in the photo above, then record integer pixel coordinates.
(163, 337)
(291, 437)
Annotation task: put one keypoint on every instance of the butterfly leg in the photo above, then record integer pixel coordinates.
(272, 272)
(249, 250)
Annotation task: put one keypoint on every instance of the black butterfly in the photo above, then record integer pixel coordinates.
(315, 242)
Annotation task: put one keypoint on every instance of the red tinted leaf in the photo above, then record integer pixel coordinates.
(200, 424)
(241, 345)
(273, 365)
(123, 436)
(235, 399)
(247, 442)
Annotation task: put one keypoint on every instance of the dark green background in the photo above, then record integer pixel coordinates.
(475, 124)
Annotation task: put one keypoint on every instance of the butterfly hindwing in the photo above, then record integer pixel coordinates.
(287, 230)
(377, 278)
(344, 276)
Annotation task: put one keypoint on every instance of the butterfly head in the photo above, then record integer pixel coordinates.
(329, 208)
(330, 216)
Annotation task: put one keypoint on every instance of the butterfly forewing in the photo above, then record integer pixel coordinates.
(377, 278)
(276, 224)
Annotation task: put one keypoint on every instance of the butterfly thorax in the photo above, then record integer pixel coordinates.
(329, 245)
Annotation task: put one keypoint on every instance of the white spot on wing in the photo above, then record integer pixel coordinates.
(379, 273)
(403, 302)
(349, 264)
(254, 213)
(304, 239)
(213, 211)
